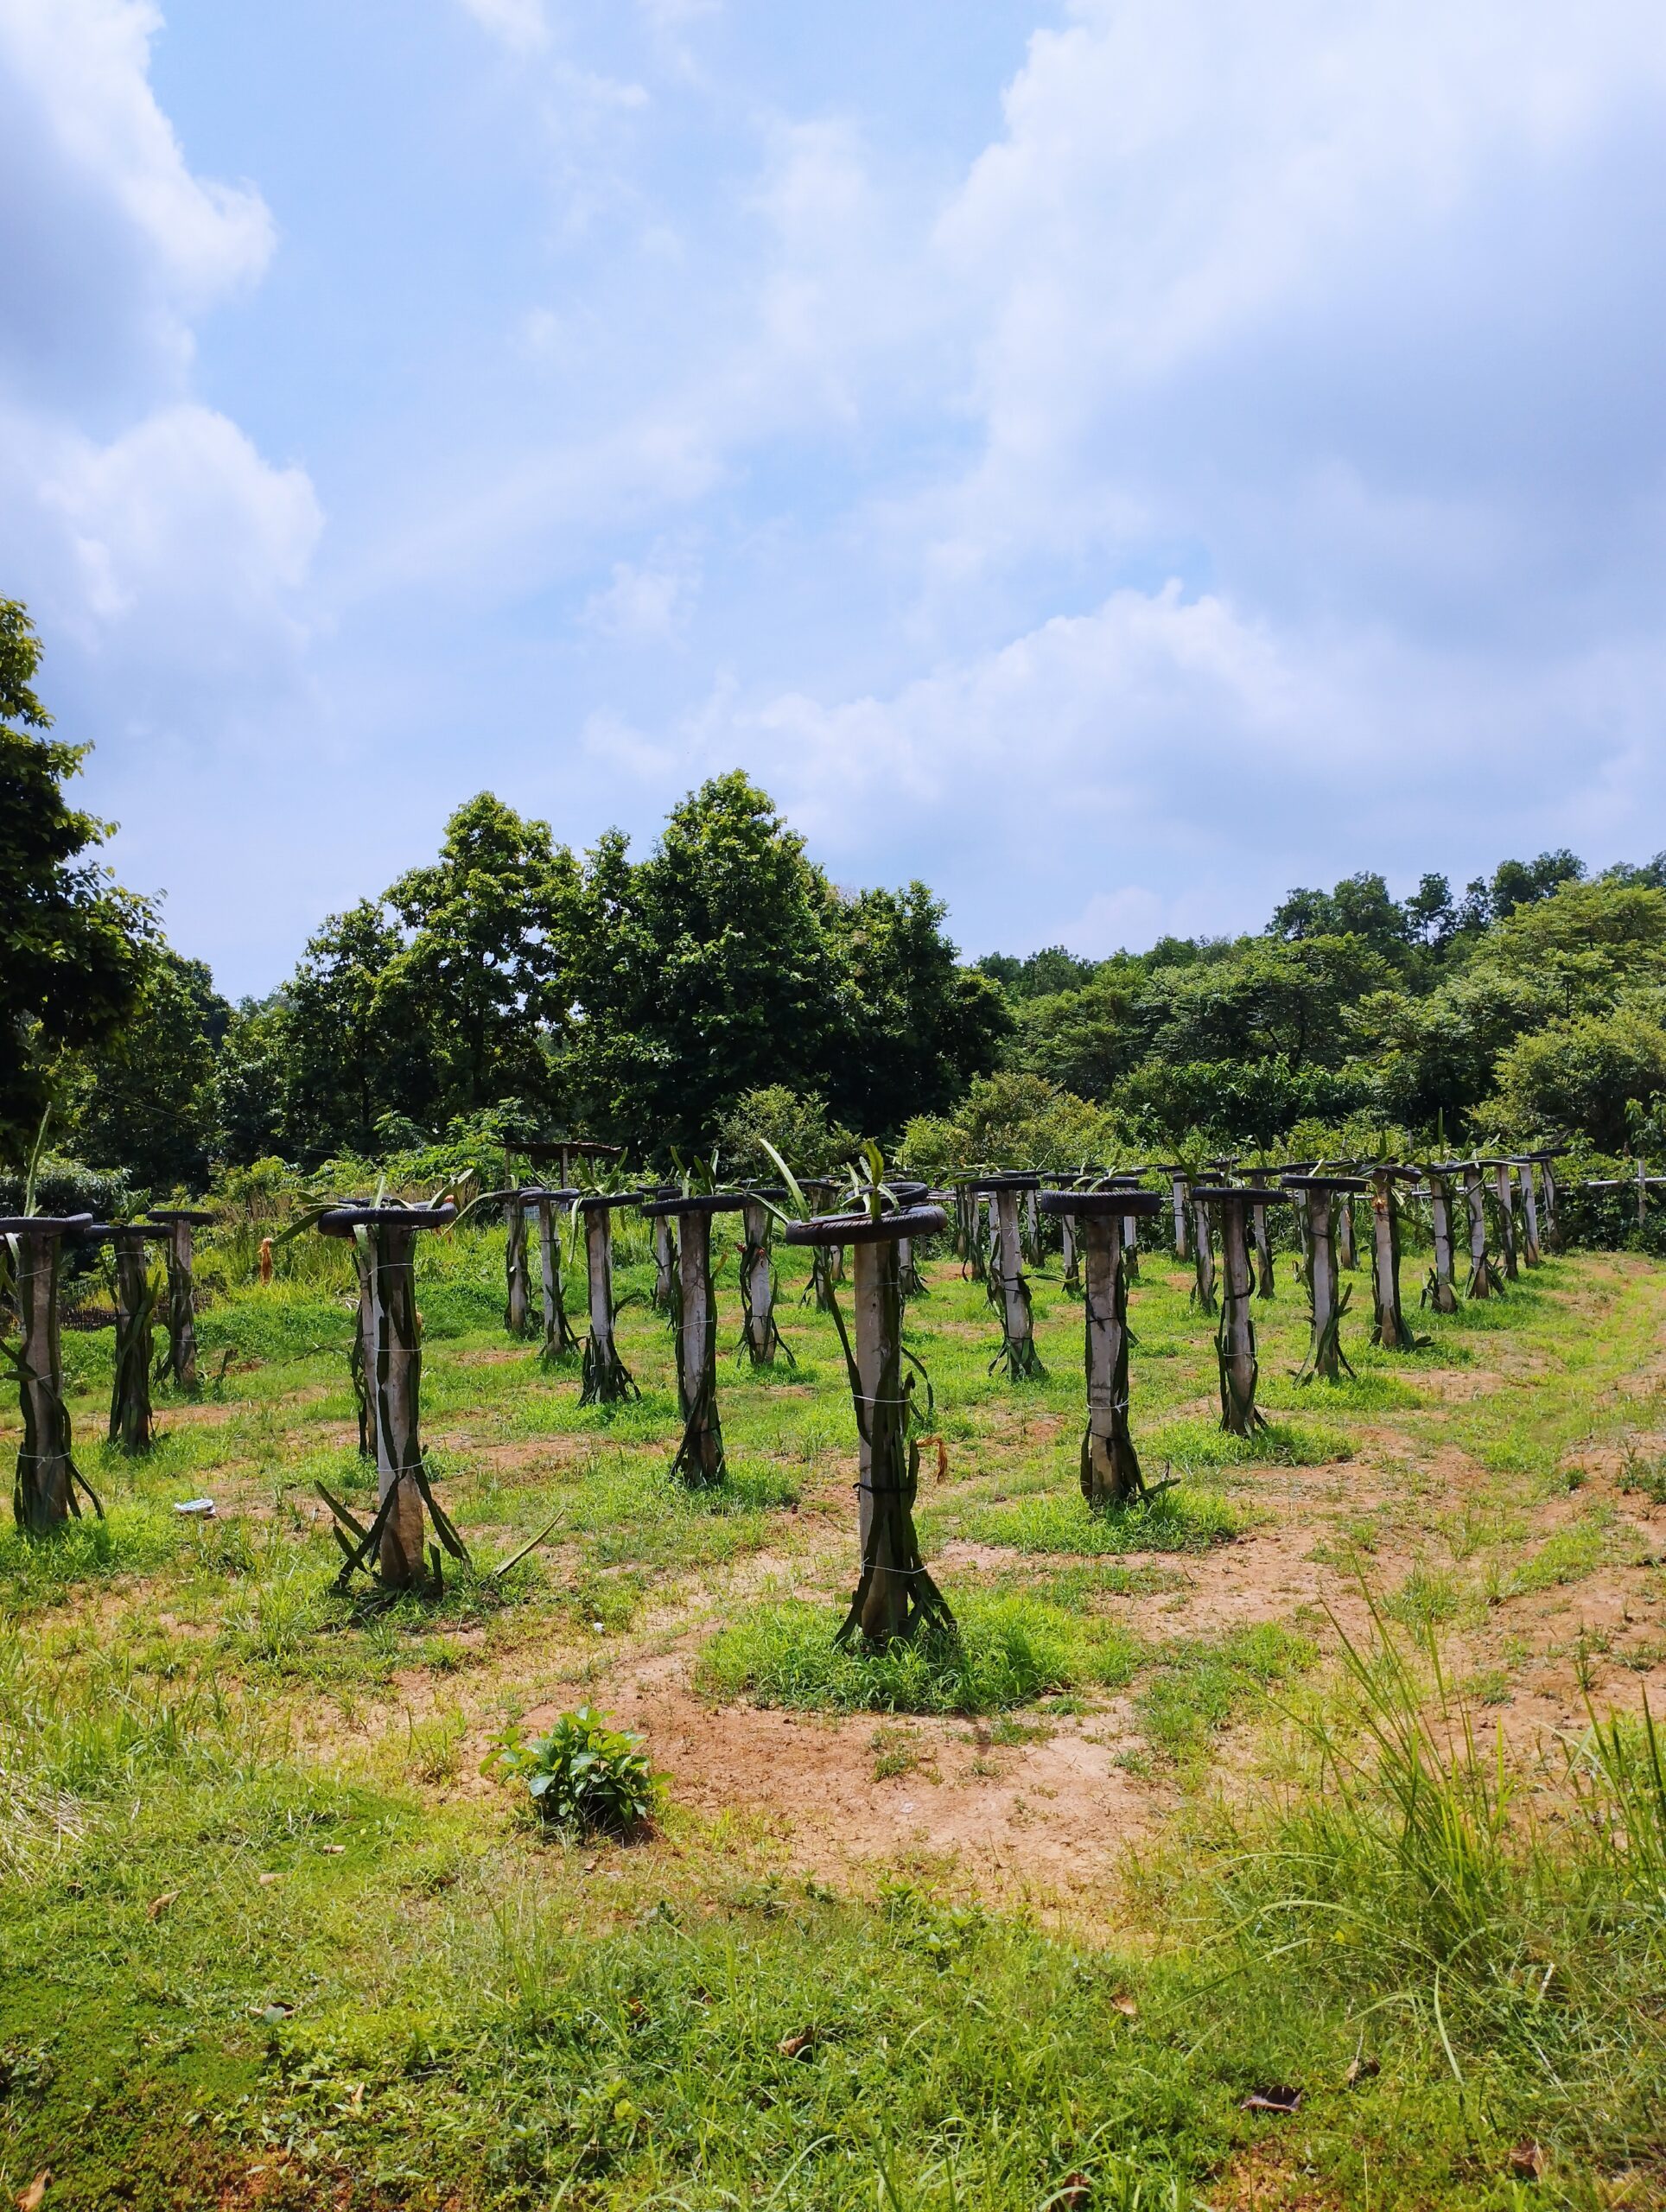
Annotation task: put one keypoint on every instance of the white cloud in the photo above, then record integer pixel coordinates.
(111, 243)
(163, 558)
(520, 24)
(646, 604)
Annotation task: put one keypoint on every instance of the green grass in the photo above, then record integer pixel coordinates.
(1009, 1650)
(1171, 1520)
(429, 2007)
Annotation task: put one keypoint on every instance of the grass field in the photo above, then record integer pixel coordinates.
(1295, 1777)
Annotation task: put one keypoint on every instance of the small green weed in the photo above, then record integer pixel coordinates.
(583, 1778)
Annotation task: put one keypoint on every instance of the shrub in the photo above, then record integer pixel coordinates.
(583, 1777)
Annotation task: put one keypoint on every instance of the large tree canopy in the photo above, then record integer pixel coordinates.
(72, 943)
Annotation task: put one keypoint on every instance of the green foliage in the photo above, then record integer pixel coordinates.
(71, 943)
(1582, 1074)
(582, 1778)
(798, 1126)
(1012, 1120)
(148, 1104)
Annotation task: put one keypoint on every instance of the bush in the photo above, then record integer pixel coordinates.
(583, 1777)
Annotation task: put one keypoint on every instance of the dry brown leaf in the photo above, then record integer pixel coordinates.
(1074, 2193)
(333, 1850)
(1527, 2160)
(32, 2198)
(158, 1906)
(1124, 2004)
(1361, 2069)
(267, 1879)
(801, 2045)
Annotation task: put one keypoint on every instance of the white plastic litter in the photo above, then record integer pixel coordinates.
(205, 1506)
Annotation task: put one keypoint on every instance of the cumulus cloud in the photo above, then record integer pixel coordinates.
(109, 245)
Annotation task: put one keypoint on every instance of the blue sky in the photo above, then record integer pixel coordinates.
(1115, 459)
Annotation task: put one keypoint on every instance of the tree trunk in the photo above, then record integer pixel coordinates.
(43, 1493)
(1203, 1245)
(1177, 1192)
(517, 1313)
(396, 1371)
(1441, 1293)
(700, 1458)
(1531, 1251)
(1111, 1465)
(182, 1362)
(1503, 1182)
(1326, 1358)
(136, 1302)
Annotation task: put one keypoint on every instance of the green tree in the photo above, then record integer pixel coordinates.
(1360, 906)
(917, 1027)
(1270, 999)
(1581, 1076)
(148, 1101)
(72, 943)
(705, 971)
(1013, 1120)
(351, 1049)
(481, 975)
(796, 1122)
(1089, 1039)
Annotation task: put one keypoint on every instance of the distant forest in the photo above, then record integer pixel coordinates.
(721, 988)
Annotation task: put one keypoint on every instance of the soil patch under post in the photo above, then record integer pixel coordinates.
(700, 1459)
(1109, 1464)
(43, 1491)
(181, 1223)
(894, 1595)
(393, 1544)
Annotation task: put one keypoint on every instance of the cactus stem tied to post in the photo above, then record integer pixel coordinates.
(391, 1547)
(44, 1489)
(700, 1459)
(1005, 1281)
(1235, 1339)
(606, 1380)
(1110, 1471)
(895, 1598)
(1326, 1361)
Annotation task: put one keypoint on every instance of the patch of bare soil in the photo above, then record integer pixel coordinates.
(1038, 1821)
